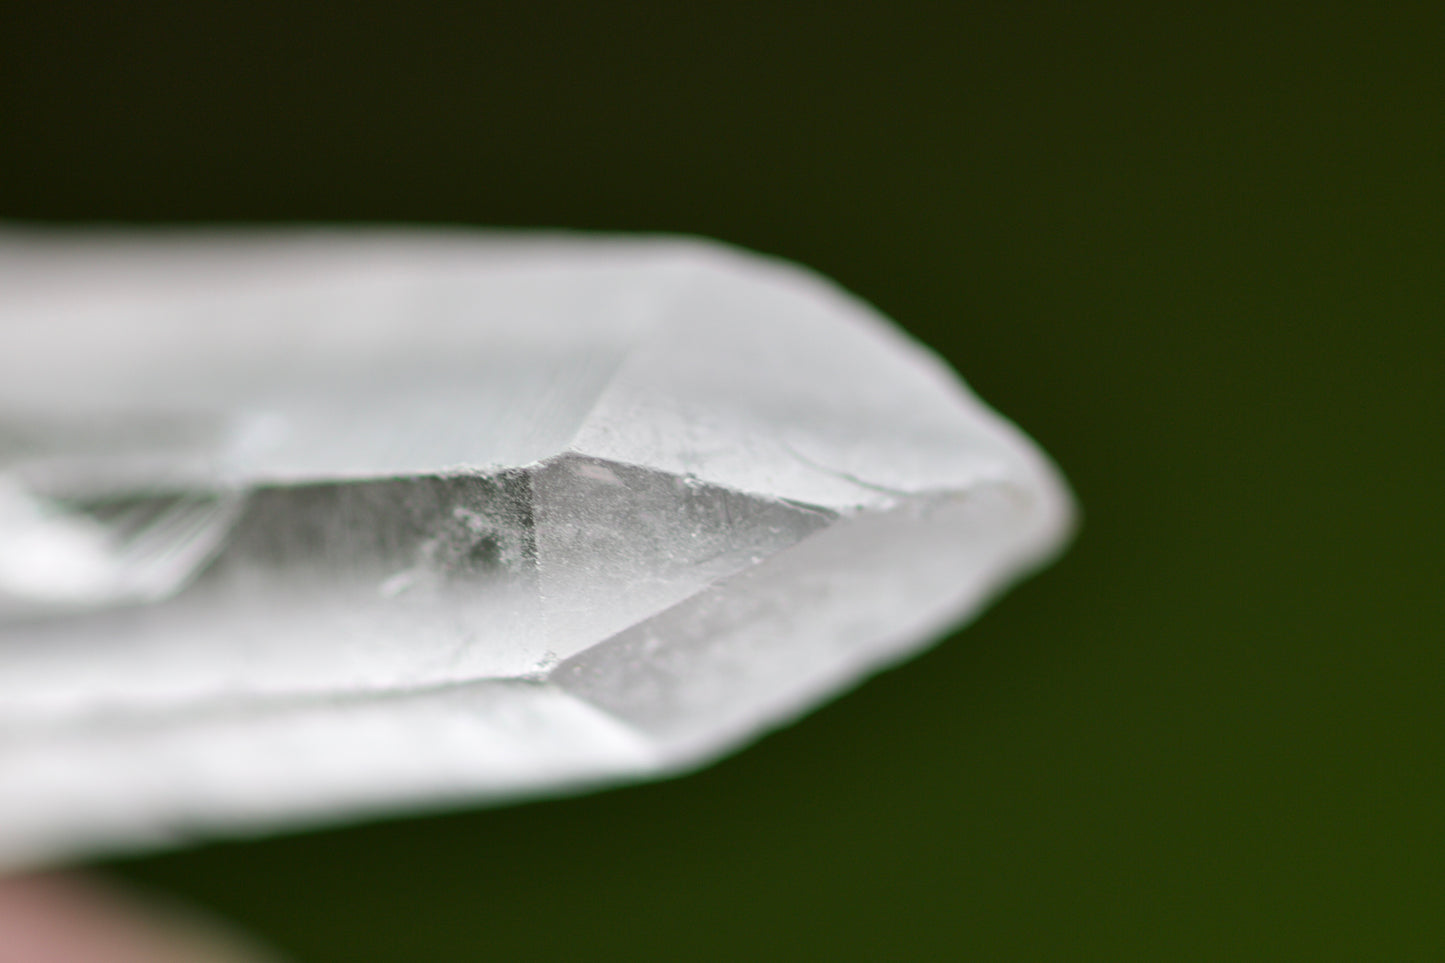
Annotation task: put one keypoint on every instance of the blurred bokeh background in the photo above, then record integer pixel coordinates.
(1199, 255)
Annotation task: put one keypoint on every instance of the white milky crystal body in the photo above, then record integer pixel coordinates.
(304, 525)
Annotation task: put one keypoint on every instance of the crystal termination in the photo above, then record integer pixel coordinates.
(307, 525)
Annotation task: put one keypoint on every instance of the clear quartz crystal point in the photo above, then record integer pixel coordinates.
(295, 526)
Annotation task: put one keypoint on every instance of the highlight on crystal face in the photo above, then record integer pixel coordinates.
(306, 525)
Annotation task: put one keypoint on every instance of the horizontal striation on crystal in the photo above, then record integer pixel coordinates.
(295, 527)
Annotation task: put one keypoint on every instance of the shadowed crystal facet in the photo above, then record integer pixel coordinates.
(300, 526)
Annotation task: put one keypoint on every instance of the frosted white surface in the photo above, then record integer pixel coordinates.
(307, 525)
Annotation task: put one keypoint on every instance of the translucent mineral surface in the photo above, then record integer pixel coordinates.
(306, 525)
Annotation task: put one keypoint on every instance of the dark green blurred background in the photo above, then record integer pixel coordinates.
(1197, 255)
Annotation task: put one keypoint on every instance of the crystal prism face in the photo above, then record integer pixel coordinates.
(295, 527)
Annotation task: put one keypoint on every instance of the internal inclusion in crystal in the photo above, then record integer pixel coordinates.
(331, 590)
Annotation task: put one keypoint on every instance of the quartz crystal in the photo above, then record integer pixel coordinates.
(299, 526)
